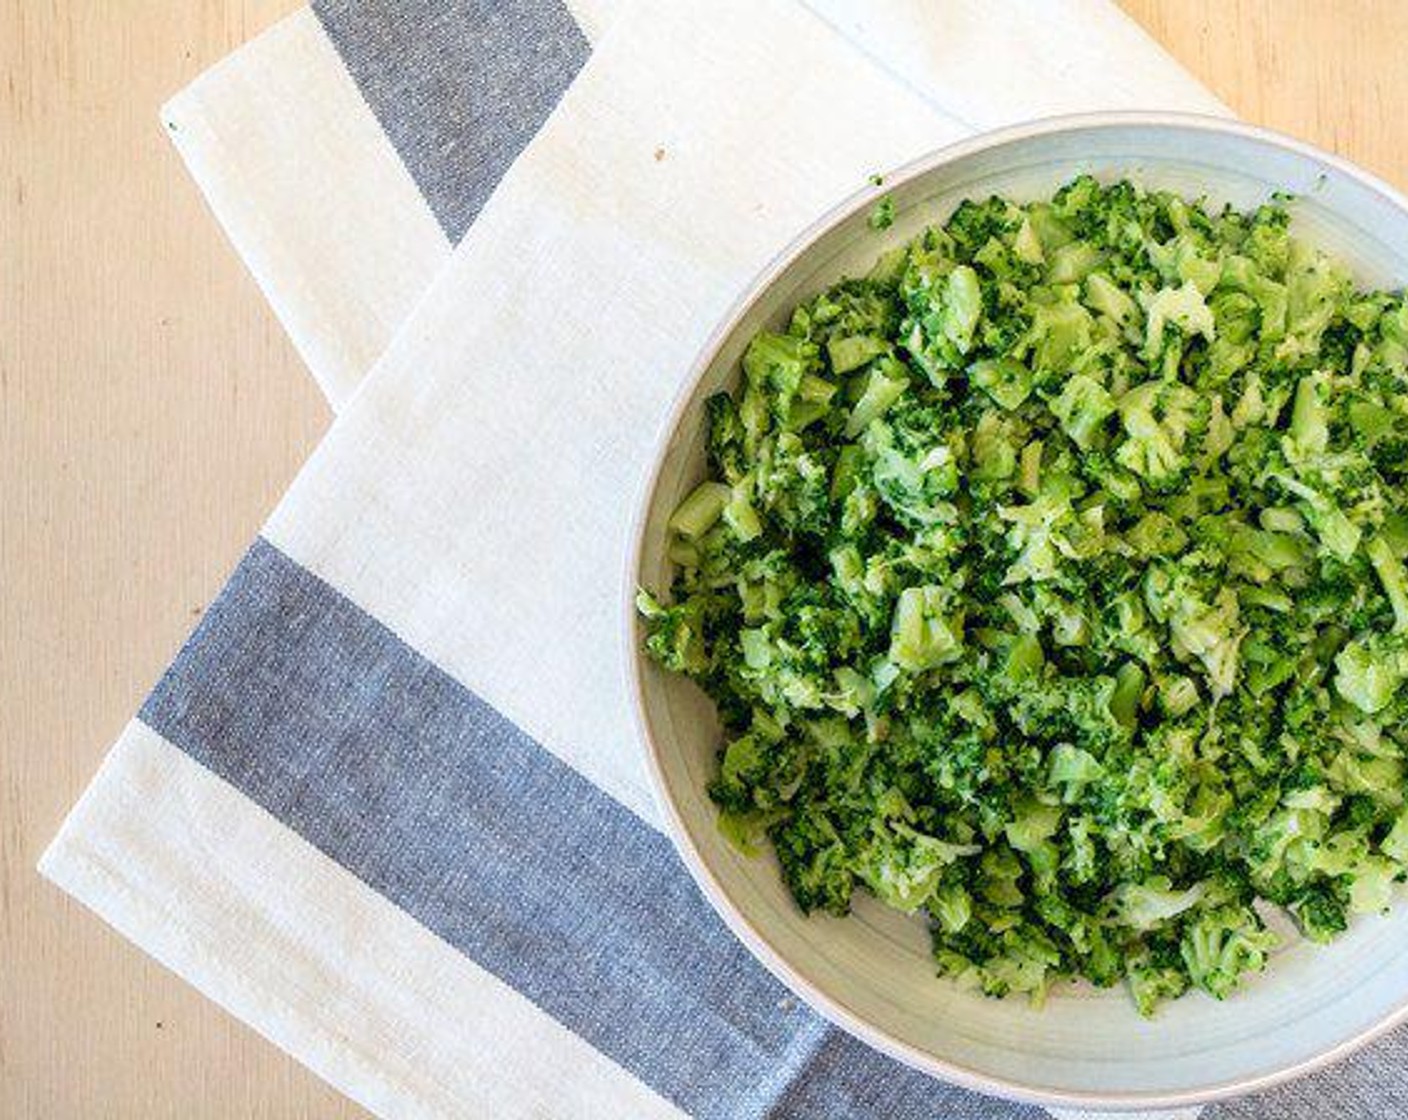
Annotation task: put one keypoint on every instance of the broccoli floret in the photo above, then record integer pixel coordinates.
(814, 863)
(793, 486)
(1368, 673)
(882, 215)
(1158, 418)
(902, 867)
(1061, 331)
(675, 637)
(927, 631)
(945, 320)
(974, 224)
(774, 366)
(1147, 905)
(1184, 307)
(1082, 408)
(1320, 912)
(1212, 633)
(884, 385)
(1156, 976)
(1006, 381)
(1221, 946)
(913, 478)
(727, 456)
(1105, 297)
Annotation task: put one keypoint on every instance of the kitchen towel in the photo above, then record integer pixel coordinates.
(347, 150)
(385, 805)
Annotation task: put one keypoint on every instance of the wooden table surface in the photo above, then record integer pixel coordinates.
(152, 411)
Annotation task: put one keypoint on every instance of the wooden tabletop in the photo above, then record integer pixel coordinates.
(152, 411)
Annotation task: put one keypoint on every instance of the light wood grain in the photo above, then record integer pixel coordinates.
(151, 412)
(1328, 71)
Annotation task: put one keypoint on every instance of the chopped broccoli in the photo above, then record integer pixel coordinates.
(882, 215)
(1050, 585)
(944, 321)
(1143, 906)
(1006, 381)
(697, 513)
(1220, 945)
(925, 634)
(1183, 306)
(1368, 673)
(1082, 408)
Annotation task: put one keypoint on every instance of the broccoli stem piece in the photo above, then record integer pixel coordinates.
(698, 513)
(1393, 577)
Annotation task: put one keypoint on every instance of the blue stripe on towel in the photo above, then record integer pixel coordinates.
(459, 88)
(325, 718)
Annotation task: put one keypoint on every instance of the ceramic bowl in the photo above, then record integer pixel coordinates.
(871, 973)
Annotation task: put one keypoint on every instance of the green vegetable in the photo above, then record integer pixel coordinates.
(698, 512)
(1050, 585)
(882, 216)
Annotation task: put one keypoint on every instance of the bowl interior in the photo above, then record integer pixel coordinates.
(872, 972)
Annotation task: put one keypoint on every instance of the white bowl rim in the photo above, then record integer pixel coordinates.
(826, 1005)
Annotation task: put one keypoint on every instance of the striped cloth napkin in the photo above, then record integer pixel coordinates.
(386, 806)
